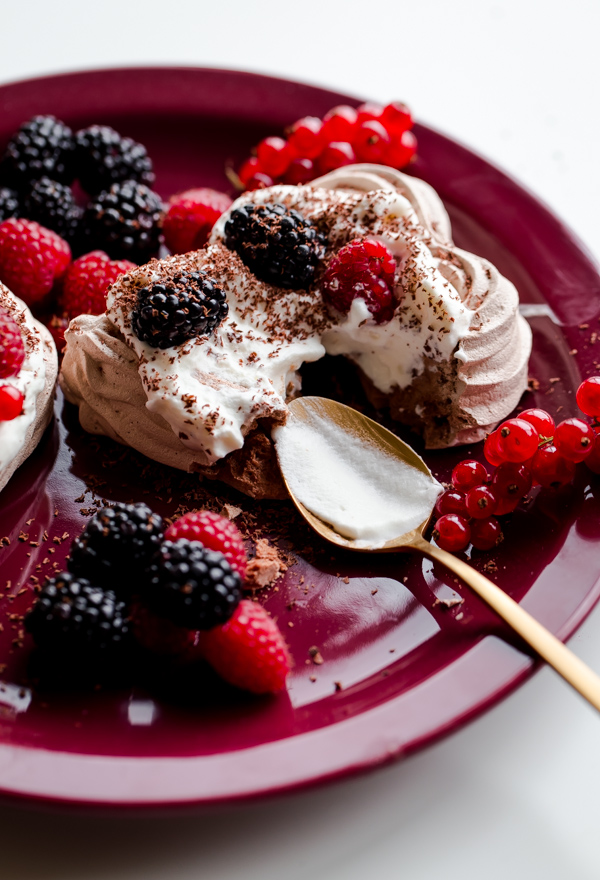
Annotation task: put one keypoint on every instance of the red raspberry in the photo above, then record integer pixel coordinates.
(248, 651)
(159, 635)
(32, 258)
(213, 531)
(12, 350)
(191, 216)
(364, 268)
(11, 403)
(87, 281)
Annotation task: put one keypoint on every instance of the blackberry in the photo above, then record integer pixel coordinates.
(169, 314)
(73, 616)
(9, 203)
(52, 204)
(124, 221)
(192, 586)
(42, 147)
(279, 245)
(116, 545)
(103, 157)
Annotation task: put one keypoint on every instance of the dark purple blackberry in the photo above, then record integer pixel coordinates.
(103, 157)
(9, 203)
(73, 616)
(42, 147)
(117, 545)
(124, 221)
(168, 314)
(52, 204)
(279, 245)
(192, 586)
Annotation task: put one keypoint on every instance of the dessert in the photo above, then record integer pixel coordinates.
(450, 363)
(33, 378)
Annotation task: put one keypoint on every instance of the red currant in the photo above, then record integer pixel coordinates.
(11, 403)
(250, 167)
(338, 124)
(574, 439)
(550, 469)
(274, 156)
(507, 505)
(300, 171)
(511, 480)
(468, 473)
(368, 112)
(485, 533)
(260, 180)
(588, 396)
(401, 150)
(335, 155)
(593, 459)
(371, 141)
(490, 449)
(517, 440)
(304, 137)
(481, 502)
(396, 117)
(451, 501)
(541, 421)
(452, 532)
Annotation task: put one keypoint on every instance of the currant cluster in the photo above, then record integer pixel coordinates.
(313, 146)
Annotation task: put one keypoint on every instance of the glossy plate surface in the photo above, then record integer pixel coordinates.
(401, 665)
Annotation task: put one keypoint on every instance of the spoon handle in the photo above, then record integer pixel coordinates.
(557, 655)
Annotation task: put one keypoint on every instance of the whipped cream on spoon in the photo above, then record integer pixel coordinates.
(336, 462)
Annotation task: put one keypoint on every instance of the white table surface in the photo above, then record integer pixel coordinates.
(516, 793)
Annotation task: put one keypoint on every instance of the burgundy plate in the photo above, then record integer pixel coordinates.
(400, 668)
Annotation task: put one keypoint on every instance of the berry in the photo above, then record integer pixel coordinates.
(279, 246)
(124, 221)
(368, 112)
(248, 651)
(339, 124)
(490, 449)
(588, 396)
(335, 155)
(189, 305)
(452, 532)
(550, 469)
(485, 533)
(517, 440)
(193, 586)
(86, 283)
(541, 421)
(481, 502)
(469, 473)
(249, 169)
(593, 459)
(451, 501)
(11, 403)
(300, 171)
(364, 268)
(116, 545)
(190, 217)
(401, 150)
(9, 203)
(304, 137)
(32, 258)
(12, 349)
(51, 204)
(260, 180)
(574, 439)
(371, 141)
(42, 147)
(396, 117)
(511, 481)
(103, 157)
(214, 532)
(274, 156)
(73, 616)
(57, 325)
(158, 635)
(507, 505)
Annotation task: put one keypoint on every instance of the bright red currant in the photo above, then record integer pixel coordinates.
(541, 421)
(300, 171)
(335, 155)
(485, 533)
(593, 459)
(550, 469)
(274, 156)
(517, 440)
(574, 439)
(371, 141)
(451, 501)
(368, 112)
(250, 167)
(506, 505)
(481, 502)
(397, 117)
(260, 180)
(338, 124)
(401, 150)
(490, 449)
(11, 403)
(468, 473)
(511, 480)
(452, 533)
(304, 137)
(588, 396)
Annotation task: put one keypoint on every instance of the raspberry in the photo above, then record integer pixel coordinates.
(213, 531)
(51, 204)
(9, 203)
(42, 147)
(103, 157)
(191, 216)
(87, 281)
(279, 246)
(192, 586)
(170, 314)
(12, 350)
(248, 651)
(452, 532)
(11, 403)
(124, 221)
(364, 268)
(274, 156)
(32, 258)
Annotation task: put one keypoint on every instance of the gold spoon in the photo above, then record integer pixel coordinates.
(356, 425)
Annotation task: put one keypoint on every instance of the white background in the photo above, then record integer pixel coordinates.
(517, 793)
